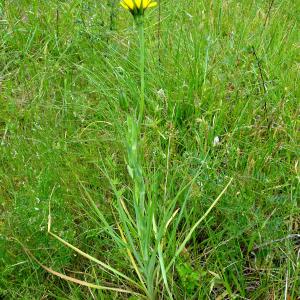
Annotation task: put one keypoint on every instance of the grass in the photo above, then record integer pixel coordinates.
(221, 102)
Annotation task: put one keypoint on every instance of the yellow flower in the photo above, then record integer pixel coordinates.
(137, 7)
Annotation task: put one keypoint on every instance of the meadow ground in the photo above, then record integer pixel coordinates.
(222, 103)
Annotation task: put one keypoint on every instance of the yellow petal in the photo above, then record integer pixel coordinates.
(152, 4)
(145, 3)
(128, 3)
(138, 3)
(124, 5)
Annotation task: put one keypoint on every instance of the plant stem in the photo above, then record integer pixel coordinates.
(140, 28)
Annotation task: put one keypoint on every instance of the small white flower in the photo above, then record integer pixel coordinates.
(216, 141)
(161, 94)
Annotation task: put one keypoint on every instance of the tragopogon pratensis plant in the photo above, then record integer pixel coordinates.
(146, 237)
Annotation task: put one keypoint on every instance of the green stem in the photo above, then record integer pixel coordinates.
(140, 28)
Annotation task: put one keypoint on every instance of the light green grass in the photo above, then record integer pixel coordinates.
(69, 79)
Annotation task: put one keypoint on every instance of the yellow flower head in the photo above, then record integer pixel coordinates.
(137, 7)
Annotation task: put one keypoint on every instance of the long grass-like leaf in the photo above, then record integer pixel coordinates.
(97, 261)
(78, 281)
(181, 247)
(131, 258)
(102, 264)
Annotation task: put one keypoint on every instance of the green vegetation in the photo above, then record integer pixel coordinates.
(221, 107)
